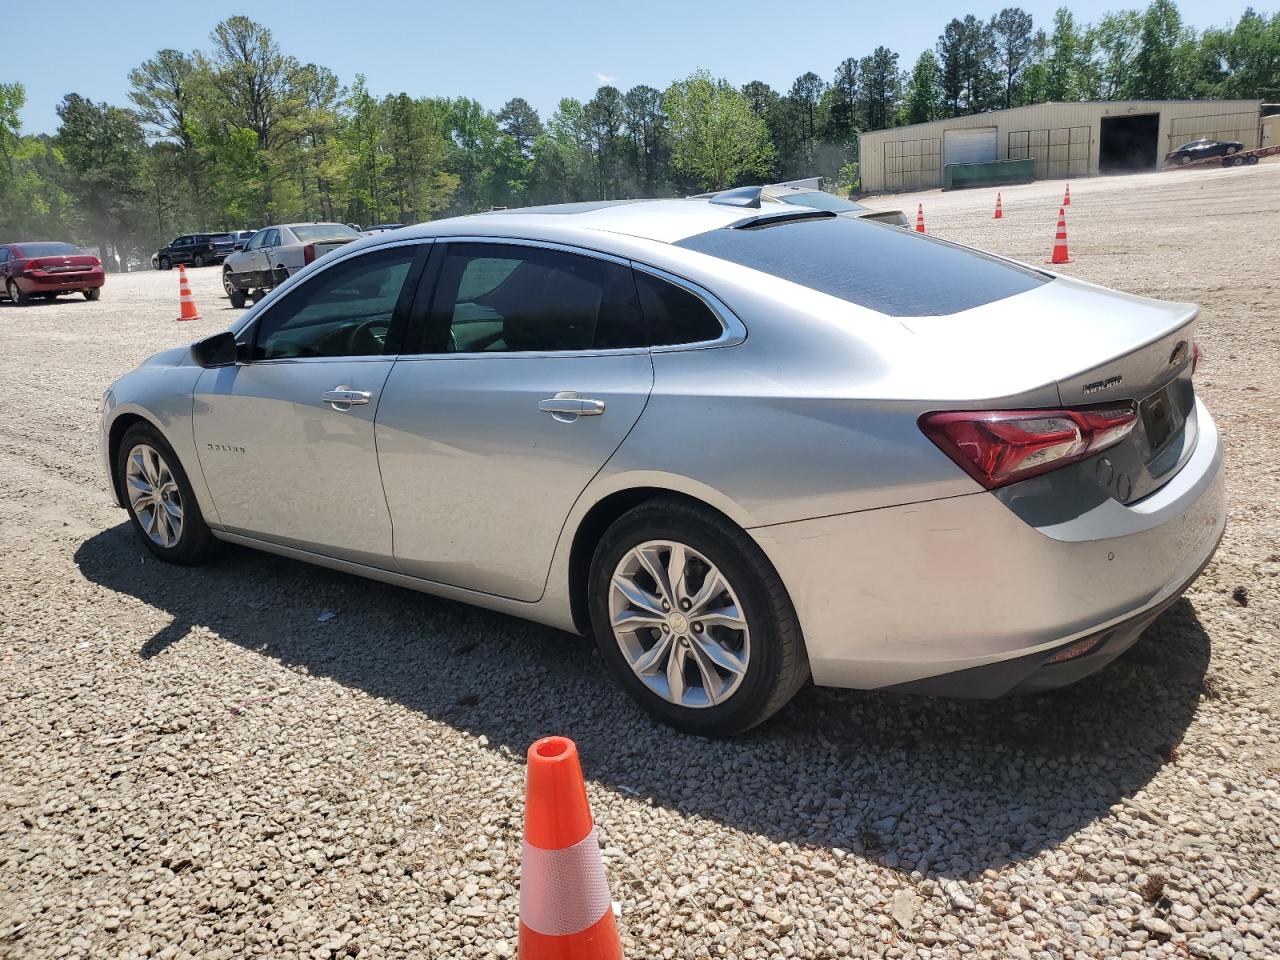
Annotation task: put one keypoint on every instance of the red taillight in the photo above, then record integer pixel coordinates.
(308, 253)
(1196, 355)
(998, 447)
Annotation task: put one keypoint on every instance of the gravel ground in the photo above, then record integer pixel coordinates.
(195, 765)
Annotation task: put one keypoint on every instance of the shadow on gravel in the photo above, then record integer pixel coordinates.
(960, 784)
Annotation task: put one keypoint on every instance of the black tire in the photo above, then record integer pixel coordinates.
(777, 666)
(16, 296)
(1184, 160)
(1230, 151)
(166, 263)
(93, 293)
(194, 543)
(1251, 159)
(197, 261)
(238, 298)
(1237, 161)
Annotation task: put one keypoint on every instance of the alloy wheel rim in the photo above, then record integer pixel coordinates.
(154, 495)
(677, 620)
(226, 284)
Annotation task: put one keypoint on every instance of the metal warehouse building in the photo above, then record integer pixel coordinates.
(1064, 139)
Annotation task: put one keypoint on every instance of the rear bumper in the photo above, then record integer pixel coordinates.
(52, 282)
(924, 595)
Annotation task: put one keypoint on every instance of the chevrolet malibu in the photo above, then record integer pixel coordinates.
(742, 446)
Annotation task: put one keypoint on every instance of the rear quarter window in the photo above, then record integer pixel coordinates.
(875, 265)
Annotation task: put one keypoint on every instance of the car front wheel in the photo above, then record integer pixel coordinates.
(159, 498)
(165, 263)
(1230, 151)
(1185, 160)
(693, 620)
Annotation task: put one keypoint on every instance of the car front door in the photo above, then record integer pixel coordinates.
(285, 438)
(271, 255)
(531, 369)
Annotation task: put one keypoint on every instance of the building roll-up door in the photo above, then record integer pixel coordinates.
(976, 145)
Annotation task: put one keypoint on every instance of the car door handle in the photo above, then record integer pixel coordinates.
(341, 398)
(567, 406)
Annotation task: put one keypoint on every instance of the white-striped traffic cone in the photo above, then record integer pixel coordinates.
(186, 303)
(565, 909)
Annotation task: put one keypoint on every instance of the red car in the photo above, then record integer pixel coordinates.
(46, 268)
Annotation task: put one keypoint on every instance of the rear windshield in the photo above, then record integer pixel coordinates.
(319, 232)
(52, 248)
(874, 265)
(818, 200)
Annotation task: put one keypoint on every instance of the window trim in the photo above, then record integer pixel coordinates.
(402, 316)
(732, 330)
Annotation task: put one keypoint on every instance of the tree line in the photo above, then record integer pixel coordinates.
(242, 134)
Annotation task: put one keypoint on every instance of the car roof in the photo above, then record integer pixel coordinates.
(665, 221)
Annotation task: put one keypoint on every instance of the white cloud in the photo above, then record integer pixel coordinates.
(604, 79)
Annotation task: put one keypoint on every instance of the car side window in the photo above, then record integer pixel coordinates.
(673, 314)
(344, 311)
(273, 239)
(511, 298)
(256, 240)
(4, 255)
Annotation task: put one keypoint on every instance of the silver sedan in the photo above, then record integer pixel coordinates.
(742, 445)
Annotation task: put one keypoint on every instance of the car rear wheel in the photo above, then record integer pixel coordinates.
(159, 498)
(93, 293)
(15, 293)
(197, 261)
(693, 620)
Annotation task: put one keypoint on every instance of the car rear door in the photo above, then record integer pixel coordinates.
(529, 371)
(286, 438)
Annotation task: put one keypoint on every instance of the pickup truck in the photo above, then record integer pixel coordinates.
(276, 253)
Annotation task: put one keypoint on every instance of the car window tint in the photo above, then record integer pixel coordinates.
(506, 298)
(874, 265)
(344, 311)
(674, 315)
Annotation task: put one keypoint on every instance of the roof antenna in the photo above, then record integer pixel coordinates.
(739, 197)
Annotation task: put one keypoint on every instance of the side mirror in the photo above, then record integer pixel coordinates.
(218, 350)
(238, 245)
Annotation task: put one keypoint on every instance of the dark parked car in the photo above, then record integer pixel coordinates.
(240, 237)
(46, 268)
(1203, 150)
(194, 250)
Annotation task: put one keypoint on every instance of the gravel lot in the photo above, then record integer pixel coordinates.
(195, 766)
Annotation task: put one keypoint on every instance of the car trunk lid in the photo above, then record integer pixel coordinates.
(59, 264)
(1059, 333)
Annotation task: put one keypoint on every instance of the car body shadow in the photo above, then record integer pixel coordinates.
(945, 786)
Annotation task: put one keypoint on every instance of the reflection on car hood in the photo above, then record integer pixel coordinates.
(175, 357)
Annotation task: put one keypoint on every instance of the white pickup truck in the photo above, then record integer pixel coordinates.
(274, 254)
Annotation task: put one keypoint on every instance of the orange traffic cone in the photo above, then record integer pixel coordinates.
(920, 218)
(1060, 254)
(999, 213)
(565, 909)
(1066, 197)
(186, 303)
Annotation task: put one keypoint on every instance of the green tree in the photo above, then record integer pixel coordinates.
(1155, 75)
(716, 138)
(605, 115)
(1013, 36)
(806, 96)
(923, 100)
(257, 89)
(519, 121)
(843, 122)
(1115, 41)
(103, 147)
(647, 135)
(165, 91)
(881, 88)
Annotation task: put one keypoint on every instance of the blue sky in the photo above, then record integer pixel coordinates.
(495, 50)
